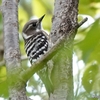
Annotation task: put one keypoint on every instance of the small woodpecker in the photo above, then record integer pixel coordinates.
(37, 43)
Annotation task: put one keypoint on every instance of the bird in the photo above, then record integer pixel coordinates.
(37, 43)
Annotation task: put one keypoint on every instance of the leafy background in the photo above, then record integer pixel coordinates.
(86, 53)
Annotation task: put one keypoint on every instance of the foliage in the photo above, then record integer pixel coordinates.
(87, 42)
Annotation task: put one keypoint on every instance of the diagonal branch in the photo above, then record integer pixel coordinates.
(41, 62)
(2, 63)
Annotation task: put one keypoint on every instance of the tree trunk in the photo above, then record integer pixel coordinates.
(64, 23)
(16, 86)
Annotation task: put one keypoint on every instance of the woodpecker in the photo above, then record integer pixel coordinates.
(37, 43)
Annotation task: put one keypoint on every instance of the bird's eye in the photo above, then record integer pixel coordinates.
(34, 24)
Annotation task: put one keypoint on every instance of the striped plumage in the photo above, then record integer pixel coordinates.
(36, 44)
(36, 40)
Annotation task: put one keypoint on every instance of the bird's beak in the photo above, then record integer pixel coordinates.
(40, 19)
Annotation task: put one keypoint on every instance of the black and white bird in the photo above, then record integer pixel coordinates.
(37, 43)
(36, 39)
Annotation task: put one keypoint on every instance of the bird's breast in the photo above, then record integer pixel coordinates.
(36, 46)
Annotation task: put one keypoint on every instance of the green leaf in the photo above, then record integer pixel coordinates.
(91, 41)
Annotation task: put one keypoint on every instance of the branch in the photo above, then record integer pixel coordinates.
(38, 65)
(82, 22)
(64, 20)
(41, 62)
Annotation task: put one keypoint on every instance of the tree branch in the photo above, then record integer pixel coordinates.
(24, 57)
(16, 87)
(41, 62)
(37, 66)
(64, 20)
(82, 22)
(25, 75)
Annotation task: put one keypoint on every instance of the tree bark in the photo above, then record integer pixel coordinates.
(64, 24)
(16, 86)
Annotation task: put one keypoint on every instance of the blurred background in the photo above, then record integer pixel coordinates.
(86, 52)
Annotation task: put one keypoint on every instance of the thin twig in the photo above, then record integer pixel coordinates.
(82, 22)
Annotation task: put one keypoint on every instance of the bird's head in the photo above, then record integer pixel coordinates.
(31, 27)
